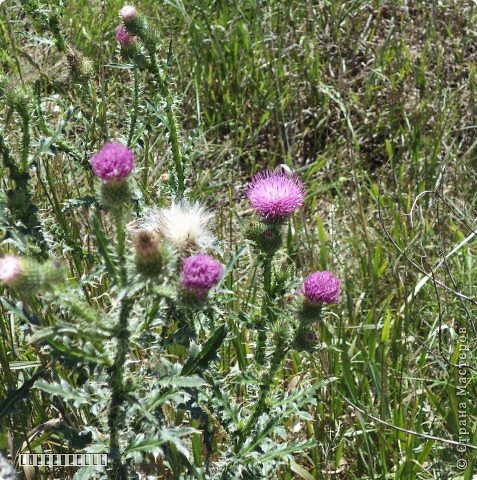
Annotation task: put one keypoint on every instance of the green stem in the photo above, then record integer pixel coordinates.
(61, 144)
(116, 415)
(54, 26)
(174, 138)
(171, 123)
(20, 201)
(150, 40)
(261, 405)
(265, 316)
(25, 141)
(132, 127)
(121, 243)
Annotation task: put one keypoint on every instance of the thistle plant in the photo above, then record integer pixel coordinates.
(136, 28)
(20, 204)
(140, 327)
(172, 299)
(319, 289)
(275, 196)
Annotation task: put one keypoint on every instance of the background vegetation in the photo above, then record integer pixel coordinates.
(372, 103)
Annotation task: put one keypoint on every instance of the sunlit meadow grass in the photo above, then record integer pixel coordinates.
(372, 105)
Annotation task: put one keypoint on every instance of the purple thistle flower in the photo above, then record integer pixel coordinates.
(200, 273)
(113, 162)
(322, 287)
(124, 38)
(128, 13)
(10, 269)
(275, 195)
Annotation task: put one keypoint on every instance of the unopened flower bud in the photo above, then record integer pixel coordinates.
(280, 334)
(27, 275)
(148, 256)
(41, 277)
(82, 68)
(267, 237)
(134, 23)
(305, 339)
(128, 13)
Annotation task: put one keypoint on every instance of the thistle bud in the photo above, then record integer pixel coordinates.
(41, 277)
(134, 23)
(28, 275)
(82, 68)
(282, 273)
(266, 237)
(305, 339)
(148, 256)
(280, 335)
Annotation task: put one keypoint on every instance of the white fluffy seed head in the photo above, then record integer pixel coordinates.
(184, 225)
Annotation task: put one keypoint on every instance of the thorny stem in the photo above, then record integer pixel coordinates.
(121, 243)
(266, 310)
(135, 106)
(151, 41)
(171, 122)
(25, 140)
(20, 201)
(116, 416)
(261, 406)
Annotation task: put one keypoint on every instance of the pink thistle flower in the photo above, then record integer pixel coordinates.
(124, 38)
(128, 13)
(322, 287)
(114, 162)
(10, 269)
(275, 195)
(200, 273)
